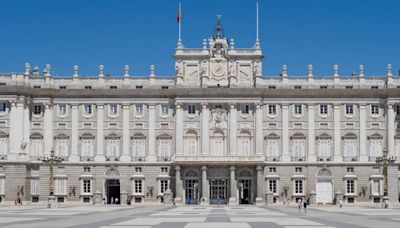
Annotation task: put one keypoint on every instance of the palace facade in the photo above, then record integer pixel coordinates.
(218, 131)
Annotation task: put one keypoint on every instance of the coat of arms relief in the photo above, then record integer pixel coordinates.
(219, 118)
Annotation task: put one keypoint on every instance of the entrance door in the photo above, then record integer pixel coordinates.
(324, 192)
(219, 191)
(192, 191)
(245, 191)
(113, 192)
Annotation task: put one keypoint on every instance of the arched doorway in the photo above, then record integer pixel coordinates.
(112, 186)
(245, 186)
(192, 187)
(324, 187)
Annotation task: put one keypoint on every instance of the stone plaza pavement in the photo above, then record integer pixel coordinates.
(111, 216)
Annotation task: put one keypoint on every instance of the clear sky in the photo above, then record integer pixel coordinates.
(143, 32)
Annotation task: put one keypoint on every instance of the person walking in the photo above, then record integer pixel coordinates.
(299, 205)
(340, 203)
(305, 206)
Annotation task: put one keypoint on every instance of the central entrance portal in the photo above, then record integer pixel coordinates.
(113, 191)
(245, 191)
(219, 191)
(192, 191)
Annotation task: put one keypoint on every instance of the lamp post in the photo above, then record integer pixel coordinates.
(51, 161)
(384, 161)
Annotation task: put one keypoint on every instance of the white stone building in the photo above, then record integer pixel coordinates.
(218, 131)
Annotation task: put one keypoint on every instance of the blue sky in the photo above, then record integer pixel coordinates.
(144, 32)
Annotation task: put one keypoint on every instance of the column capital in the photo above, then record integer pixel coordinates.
(100, 105)
(126, 106)
(362, 106)
(259, 168)
(151, 106)
(310, 106)
(232, 168)
(258, 105)
(74, 106)
(390, 105)
(204, 168)
(177, 168)
(178, 105)
(285, 105)
(204, 105)
(232, 105)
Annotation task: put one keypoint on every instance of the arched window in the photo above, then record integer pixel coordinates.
(191, 142)
(217, 144)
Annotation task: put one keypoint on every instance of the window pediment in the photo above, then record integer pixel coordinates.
(164, 137)
(272, 136)
(87, 136)
(375, 136)
(61, 136)
(349, 136)
(3, 134)
(297, 136)
(112, 136)
(324, 136)
(36, 136)
(138, 136)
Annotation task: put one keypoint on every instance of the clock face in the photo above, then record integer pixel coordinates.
(218, 70)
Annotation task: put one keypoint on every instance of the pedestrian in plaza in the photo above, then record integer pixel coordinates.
(340, 203)
(116, 200)
(112, 200)
(299, 204)
(305, 206)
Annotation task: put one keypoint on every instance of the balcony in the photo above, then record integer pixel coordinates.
(112, 158)
(298, 159)
(227, 158)
(272, 159)
(350, 159)
(324, 158)
(163, 158)
(138, 158)
(87, 158)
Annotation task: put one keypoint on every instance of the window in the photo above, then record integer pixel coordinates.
(164, 87)
(60, 187)
(37, 87)
(245, 109)
(37, 110)
(374, 109)
(138, 146)
(138, 169)
(35, 187)
(350, 169)
(245, 144)
(273, 148)
(218, 106)
(349, 87)
(113, 110)
(86, 186)
(62, 87)
(349, 109)
(62, 148)
(163, 186)
(272, 186)
(88, 87)
(138, 186)
(113, 87)
(62, 110)
(376, 187)
(324, 149)
(138, 111)
(298, 109)
(272, 110)
(2, 186)
(36, 147)
(272, 169)
(323, 109)
(2, 84)
(217, 145)
(298, 150)
(323, 87)
(298, 169)
(164, 169)
(86, 169)
(397, 110)
(298, 186)
(87, 110)
(164, 149)
(87, 148)
(374, 148)
(112, 148)
(139, 87)
(374, 87)
(349, 149)
(271, 87)
(191, 146)
(164, 110)
(191, 109)
(3, 107)
(297, 87)
(3, 146)
(350, 187)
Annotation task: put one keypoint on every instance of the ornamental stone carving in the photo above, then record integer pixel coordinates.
(219, 118)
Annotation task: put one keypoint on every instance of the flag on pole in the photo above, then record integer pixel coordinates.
(178, 18)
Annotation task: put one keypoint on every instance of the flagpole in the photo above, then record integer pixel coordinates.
(179, 24)
(257, 40)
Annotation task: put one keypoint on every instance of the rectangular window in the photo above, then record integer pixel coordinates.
(138, 169)
(164, 110)
(164, 87)
(398, 110)
(164, 149)
(374, 148)
(191, 109)
(37, 109)
(35, 187)
(298, 169)
(37, 87)
(87, 149)
(113, 109)
(164, 169)
(138, 186)
(191, 146)
(62, 109)
(113, 87)
(323, 87)
(272, 186)
(87, 110)
(88, 87)
(273, 149)
(297, 87)
(3, 107)
(244, 147)
(63, 87)
(376, 187)
(139, 148)
(374, 109)
(218, 106)
(298, 109)
(298, 150)
(139, 87)
(349, 87)
(272, 109)
(61, 187)
(349, 109)
(323, 109)
(36, 147)
(2, 186)
(298, 186)
(350, 187)
(86, 169)
(350, 149)
(374, 87)
(139, 110)
(113, 148)
(163, 186)
(3, 146)
(272, 169)
(271, 87)
(62, 148)
(245, 109)
(87, 188)
(350, 169)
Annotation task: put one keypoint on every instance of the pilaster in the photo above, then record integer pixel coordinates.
(74, 133)
(285, 133)
(259, 129)
(311, 134)
(390, 130)
(16, 128)
(125, 133)
(337, 135)
(204, 186)
(152, 135)
(48, 128)
(205, 131)
(363, 134)
(179, 129)
(232, 129)
(100, 134)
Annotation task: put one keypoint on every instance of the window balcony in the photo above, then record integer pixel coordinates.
(226, 158)
(298, 159)
(324, 158)
(349, 159)
(87, 158)
(36, 158)
(64, 158)
(272, 159)
(3, 157)
(112, 158)
(163, 158)
(372, 158)
(138, 158)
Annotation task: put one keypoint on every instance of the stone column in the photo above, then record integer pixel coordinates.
(48, 128)
(205, 138)
(233, 187)
(259, 129)
(232, 129)
(337, 135)
(74, 133)
(260, 192)
(285, 133)
(390, 129)
(179, 129)
(311, 134)
(100, 134)
(178, 185)
(363, 135)
(204, 186)
(152, 135)
(16, 128)
(125, 133)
